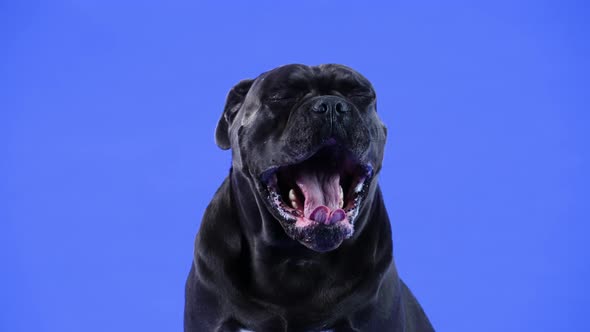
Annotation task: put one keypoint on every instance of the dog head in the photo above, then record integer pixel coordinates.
(310, 140)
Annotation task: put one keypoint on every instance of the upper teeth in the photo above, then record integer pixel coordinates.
(294, 201)
(359, 187)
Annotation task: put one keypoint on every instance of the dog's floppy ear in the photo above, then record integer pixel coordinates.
(233, 102)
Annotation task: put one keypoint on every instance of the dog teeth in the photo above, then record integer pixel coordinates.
(341, 197)
(359, 187)
(293, 199)
(292, 195)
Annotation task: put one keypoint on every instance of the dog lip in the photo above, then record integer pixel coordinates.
(331, 227)
(295, 215)
(323, 220)
(331, 141)
(267, 175)
(368, 170)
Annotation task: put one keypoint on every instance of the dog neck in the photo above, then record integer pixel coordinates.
(285, 278)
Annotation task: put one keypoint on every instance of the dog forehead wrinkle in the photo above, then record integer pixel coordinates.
(299, 78)
(343, 76)
(250, 107)
(295, 80)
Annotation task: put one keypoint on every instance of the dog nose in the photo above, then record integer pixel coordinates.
(330, 104)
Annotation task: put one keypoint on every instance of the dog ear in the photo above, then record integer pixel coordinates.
(233, 103)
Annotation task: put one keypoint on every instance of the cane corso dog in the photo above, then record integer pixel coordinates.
(297, 238)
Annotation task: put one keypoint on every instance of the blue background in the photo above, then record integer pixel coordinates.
(108, 110)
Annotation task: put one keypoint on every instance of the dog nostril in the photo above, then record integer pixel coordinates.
(341, 108)
(321, 108)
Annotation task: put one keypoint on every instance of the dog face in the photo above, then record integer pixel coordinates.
(311, 142)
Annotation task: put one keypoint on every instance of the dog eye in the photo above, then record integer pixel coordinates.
(361, 98)
(280, 98)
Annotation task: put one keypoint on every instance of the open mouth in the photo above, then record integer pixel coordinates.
(325, 190)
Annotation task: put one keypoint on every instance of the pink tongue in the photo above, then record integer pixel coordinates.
(320, 214)
(323, 214)
(322, 196)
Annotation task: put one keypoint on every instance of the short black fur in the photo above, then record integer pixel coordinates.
(251, 270)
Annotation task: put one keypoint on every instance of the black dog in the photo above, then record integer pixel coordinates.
(297, 237)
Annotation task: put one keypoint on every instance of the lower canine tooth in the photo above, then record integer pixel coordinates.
(341, 198)
(293, 199)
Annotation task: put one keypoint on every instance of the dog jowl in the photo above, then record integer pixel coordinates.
(297, 237)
